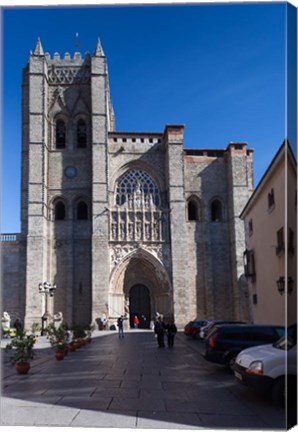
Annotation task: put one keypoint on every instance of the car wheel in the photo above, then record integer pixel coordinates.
(230, 361)
(279, 391)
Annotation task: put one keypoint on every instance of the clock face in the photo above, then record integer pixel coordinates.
(70, 172)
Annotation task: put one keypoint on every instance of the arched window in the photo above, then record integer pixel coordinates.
(193, 214)
(216, 211)
(137, 189)
(82, 211)
(60, 210)
(81, 134)
(60, 134)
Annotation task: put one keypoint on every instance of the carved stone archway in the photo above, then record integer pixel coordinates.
(140, 267)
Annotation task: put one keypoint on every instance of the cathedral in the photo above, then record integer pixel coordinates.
(119, 223)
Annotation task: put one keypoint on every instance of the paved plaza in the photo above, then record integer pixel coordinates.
(131, 383)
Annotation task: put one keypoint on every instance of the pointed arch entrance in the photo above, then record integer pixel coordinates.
(139, 305)
(139, 284)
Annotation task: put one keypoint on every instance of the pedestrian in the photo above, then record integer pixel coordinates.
(136, 321)
(18, 325)
(171, 332)
(120, 327)
(159, 328)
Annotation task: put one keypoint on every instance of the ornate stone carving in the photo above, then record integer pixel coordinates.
(68, 75)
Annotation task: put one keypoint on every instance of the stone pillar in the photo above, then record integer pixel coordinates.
(100, 228)
(241, 187)
(182, 297)
(34, 107)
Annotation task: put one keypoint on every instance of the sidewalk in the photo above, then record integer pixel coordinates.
(130, 383)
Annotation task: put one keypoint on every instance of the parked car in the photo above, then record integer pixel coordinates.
(195, 327)
(225, 342)
(205, 331)
(263, 368)
(187, 327)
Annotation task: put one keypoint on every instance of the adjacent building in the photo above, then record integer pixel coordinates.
(270, 257)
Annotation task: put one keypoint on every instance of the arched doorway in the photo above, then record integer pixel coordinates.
(139, 304)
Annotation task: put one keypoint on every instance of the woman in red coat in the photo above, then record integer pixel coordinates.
(136, 322)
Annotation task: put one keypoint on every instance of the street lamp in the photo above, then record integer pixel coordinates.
(281, 285)
(48, 290)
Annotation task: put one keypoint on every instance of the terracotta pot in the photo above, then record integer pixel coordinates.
(71, 347)
(89, 339)
(59, 355)
(22, 368)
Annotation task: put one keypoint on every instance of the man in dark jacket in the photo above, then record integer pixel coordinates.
(159, 328)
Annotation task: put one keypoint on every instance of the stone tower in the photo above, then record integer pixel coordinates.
(123, 223)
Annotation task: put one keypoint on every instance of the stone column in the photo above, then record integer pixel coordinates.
(240, 186)
(183, 297)
(34, 172)
(100, 228)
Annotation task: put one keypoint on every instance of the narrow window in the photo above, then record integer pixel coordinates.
(216, 211)
(192, 211)
(81, 134)
(250, 227)
(255, 299)
(60, 134)
(271, 200)
(291, 246)
(59, 211)
(82, 211)
(249, 264)
(280, 242)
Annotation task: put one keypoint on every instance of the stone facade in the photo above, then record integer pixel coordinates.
(122, 223)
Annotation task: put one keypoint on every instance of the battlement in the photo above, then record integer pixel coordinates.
(67, 60)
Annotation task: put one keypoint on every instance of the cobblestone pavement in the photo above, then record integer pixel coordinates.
(131, 383)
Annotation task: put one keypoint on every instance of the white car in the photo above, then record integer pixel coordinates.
(270, 368)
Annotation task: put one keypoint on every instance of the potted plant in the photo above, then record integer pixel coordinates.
(58, 338)
(89, 330)
(78, 336)
(35, 329)
(23, 351)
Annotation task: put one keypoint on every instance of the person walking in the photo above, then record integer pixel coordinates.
(159, 328)
(120, 327)
(136, 321)
(171, 332)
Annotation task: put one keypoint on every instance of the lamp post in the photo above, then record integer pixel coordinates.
(47, 289)
(281, 285)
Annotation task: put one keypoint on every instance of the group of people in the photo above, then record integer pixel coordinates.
(161, 328)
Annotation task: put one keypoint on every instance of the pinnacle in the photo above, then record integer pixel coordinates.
(98, 50)
(38, 51)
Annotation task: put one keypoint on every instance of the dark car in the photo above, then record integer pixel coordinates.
(195, 327)
(225, 342)
(206, 330)
(187, 327)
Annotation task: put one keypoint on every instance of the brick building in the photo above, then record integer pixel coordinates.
(121, 222)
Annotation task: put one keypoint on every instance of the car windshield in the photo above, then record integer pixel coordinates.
(288, 340)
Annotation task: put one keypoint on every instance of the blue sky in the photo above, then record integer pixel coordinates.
(219, 69)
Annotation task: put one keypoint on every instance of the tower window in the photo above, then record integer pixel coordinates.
(82, 211)
(192, 211)
(216, 211)
(81, 134)
(60, 134)
(60, 211)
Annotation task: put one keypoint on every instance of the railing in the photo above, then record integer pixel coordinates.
(9, 237)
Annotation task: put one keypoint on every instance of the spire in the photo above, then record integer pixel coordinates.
(98, 50)
(38, 51)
